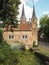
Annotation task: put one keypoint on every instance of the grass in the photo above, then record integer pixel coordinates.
(26, 58)
(43, 50)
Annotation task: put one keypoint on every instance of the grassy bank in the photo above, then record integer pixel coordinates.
(26, 58)
(42, 50)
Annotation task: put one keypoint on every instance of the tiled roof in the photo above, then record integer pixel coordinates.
(24, 26)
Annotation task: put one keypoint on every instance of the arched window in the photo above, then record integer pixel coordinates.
(24, 36)
(11, 36)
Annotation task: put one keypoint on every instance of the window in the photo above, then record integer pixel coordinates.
(24, 36)
(11, 36)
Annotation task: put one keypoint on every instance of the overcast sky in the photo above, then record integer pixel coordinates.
(41, 8)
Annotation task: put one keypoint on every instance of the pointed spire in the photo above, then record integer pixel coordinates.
(23, 13)
(34, 14)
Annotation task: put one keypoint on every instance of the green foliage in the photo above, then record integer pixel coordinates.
(44, 26)
(16, 57)
(26, 58)
(34, 44)
(1, 35)
(7, 56)
(43, 20)
(9, 11)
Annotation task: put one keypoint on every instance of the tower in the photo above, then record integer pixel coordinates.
(23, 18)
(34, 26)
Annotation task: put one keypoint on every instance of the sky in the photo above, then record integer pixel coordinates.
(41, 8)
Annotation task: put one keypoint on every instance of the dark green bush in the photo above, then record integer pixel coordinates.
(7, 56)
(1, 36)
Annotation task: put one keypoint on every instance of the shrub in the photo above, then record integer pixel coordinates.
(7, 56)
(34, 45)
(1, 36)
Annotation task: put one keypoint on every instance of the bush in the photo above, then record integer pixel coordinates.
(7, 56)
(34, 45)
(1, 36)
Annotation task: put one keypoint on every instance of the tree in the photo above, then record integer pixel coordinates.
(9, 11)
(7, 56)
(1, 36)
(44, 26)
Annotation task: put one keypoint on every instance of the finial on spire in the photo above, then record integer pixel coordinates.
(23, 13)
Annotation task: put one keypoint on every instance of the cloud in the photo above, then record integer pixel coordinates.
(46, 12)
(35, 1)
(28, 12)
